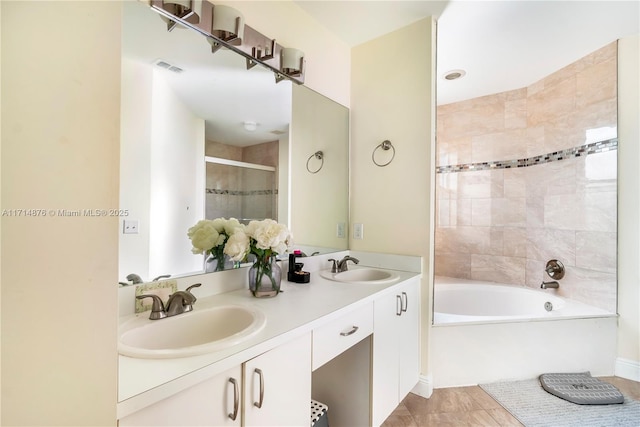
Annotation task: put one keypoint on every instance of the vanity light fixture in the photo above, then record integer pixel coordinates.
(262, 54)
(291, 61)
(189, 10)
(227, 24)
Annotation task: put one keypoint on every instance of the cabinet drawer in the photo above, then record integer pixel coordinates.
(338, 335)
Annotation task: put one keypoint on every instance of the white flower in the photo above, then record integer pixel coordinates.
(203, 235)
(231, 225)
(219, 224)
(268, 234)
(237, 245)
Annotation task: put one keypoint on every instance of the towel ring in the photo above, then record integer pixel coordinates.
(385, 145)
(318, 155)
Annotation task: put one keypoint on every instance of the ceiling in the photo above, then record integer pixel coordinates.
(501, 45)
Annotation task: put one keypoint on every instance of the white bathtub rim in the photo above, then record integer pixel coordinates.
(571, 309)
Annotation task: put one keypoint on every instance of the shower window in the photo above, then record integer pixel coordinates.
(241, 190)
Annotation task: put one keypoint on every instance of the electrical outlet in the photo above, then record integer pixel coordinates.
(358, 231)
(130, 226)
(340, 233)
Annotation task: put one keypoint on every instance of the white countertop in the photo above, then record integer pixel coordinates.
(295, 311)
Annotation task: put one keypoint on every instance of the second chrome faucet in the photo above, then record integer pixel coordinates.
(179, 302)
(340, 266)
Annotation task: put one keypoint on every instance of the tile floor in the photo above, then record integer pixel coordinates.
(469, 406)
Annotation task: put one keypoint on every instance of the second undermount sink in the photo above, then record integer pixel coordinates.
(189, 334)
(362, 275)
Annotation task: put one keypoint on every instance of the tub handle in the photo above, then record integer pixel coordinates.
(405, 302)
(398, 305)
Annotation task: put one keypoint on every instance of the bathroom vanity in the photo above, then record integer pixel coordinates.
(350, 345)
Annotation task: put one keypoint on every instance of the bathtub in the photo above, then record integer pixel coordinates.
(463, 301)
(485, 332)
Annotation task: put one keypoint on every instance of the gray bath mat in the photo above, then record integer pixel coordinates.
(527, 401)
(581, 388)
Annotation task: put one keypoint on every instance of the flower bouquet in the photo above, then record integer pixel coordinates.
(263, 240)
(210, 237)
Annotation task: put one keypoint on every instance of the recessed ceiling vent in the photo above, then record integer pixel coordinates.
(278, 132)
(164, 64)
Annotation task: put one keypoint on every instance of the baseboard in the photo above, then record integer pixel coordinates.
(629, 369)
(424, 387)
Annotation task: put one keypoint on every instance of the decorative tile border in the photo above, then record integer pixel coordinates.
(582, 150)
(242, 193)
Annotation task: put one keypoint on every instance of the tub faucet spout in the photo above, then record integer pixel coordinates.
(550, 285)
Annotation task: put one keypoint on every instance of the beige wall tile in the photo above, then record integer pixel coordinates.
(507, 223)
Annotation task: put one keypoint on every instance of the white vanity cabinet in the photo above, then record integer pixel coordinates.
(396, 353)
(278, 385)
(276, 390)
(209, 403)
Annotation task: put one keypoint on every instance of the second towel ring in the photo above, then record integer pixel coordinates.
(318, 155)
(385, 145)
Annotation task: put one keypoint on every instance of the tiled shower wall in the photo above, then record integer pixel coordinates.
(529, 175)
(239, 192)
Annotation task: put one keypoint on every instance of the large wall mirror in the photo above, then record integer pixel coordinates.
(203, 137)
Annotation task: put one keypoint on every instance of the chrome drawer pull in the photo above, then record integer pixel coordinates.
(236, 399)
(258, 404)
(350, 332)
(405, 302)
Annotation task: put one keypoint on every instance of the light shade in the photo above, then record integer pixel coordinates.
(189, 10)
(227, 23)
(291, 61)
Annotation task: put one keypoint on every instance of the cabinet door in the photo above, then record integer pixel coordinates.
(396, 348)
(278, 386)
(209, 403)
(409, 338)
(384, 381)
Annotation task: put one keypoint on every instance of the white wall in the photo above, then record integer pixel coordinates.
(60, 140)
(158, 133)
(628, 208)
(319, 199)
(135, 166)
(177, 181)
(393, 93)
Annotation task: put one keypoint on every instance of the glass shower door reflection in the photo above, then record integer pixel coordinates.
(241, 190)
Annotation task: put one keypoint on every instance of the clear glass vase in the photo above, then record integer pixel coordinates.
(217, 260)
(265, 276)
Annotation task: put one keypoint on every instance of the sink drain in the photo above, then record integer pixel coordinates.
(548, 306)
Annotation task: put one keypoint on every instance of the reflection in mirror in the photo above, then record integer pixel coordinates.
(181, 104)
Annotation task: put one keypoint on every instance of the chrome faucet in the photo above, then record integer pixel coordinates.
(179, 302)
(342, 264)
(134, 278)
(550, 285)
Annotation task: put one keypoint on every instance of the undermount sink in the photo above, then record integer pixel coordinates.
(362, 275)
(189, 334)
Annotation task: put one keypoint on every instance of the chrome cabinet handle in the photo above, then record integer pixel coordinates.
(258, 404)
(236, 399)
(405, 300)
(398, 305)
(349, 332)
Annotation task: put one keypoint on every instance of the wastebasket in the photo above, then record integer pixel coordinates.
(319, 416)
